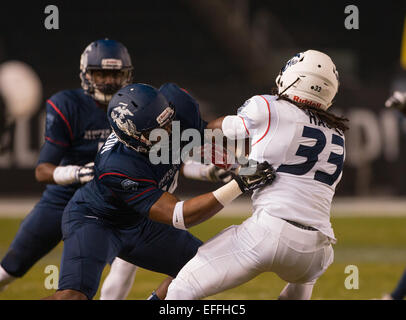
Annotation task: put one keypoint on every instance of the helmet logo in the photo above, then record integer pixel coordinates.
(306, 101)
(111, 64)
(291, 62)
(118, 114)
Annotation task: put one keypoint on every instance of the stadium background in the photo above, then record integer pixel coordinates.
(223, 52)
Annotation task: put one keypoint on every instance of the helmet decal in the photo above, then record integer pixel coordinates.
(112, 64)
(295, 59)
(118, 114)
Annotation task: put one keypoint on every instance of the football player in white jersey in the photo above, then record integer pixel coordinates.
(289, 232)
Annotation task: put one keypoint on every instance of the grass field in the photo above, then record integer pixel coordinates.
(377, 246)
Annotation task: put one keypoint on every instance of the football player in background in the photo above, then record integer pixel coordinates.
(129, 210)
(289, 232)
(398, 102)
(76, 127)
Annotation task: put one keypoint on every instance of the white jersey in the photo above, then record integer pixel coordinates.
(307, 155)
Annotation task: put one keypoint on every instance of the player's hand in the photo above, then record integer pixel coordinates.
(397, 101)
(216, 174)
(85, 173)
(257, 175)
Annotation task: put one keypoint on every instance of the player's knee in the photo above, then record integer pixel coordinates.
(181, 289)
(177, 291)
(68, 295)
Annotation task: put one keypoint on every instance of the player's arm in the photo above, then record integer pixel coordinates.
(397, 101)
(250, 117)
(185, 214)
(216, 123)
(50, 173)
(58, 138)
(205, 172)
(44, 172)
(170, 210)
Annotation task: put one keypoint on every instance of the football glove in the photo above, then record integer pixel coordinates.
(64, 175)
(397, 101)
(216, 174)
(85, 173)
(257, 175)
(206, 172)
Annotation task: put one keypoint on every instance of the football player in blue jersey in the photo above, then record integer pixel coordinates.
(128, 209)
(76, 127)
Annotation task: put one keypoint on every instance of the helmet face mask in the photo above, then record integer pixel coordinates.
(310, 78)
(103, 84)
(105, 67)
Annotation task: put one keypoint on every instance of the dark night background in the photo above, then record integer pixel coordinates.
(186, 42)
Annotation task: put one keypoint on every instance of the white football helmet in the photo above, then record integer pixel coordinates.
(309, 77)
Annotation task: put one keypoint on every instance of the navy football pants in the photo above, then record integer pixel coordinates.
(38, 234)
(91, 242)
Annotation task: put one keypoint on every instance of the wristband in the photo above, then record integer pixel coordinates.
(227, 193)
(177, 218)
(65, 174)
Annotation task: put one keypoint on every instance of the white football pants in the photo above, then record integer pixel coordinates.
(119, 281)
(261, 243)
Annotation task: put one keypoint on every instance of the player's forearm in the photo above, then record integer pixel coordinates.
(215, 124)
(44, 172)
(199, 209)
(63, 175)
(185, 214)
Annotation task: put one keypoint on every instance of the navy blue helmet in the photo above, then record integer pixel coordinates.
(106, 56)
(137, 109)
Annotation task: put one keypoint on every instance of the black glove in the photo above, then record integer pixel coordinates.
(262, 174)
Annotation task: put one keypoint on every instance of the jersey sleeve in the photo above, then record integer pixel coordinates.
(251, 116)
(137, 192)
(51, 153)
(187, 108)
(58, 130)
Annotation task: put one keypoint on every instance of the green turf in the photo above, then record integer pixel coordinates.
(377, 246)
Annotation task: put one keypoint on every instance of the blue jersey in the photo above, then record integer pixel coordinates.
(126, 183)
(76, 127)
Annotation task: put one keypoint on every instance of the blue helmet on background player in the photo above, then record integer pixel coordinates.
(135, 110)
(105, 59)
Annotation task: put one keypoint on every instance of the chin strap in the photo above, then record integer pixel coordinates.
(101, 97)
(286, 89)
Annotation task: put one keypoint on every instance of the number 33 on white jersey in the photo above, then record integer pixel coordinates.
(307, 154)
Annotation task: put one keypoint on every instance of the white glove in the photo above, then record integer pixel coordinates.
(205, 172)
(64, 175)
(85, 173)
(397, 101)
(216, 174)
